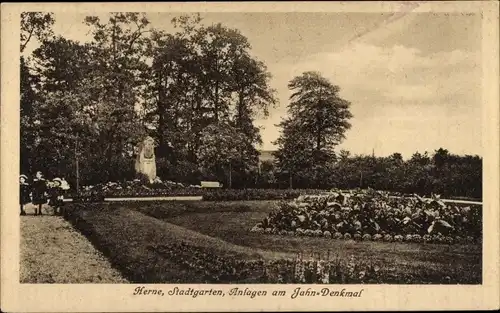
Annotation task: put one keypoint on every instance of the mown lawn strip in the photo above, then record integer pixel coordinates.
(53, 252)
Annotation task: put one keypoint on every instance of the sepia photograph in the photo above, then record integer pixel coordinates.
(324, 150)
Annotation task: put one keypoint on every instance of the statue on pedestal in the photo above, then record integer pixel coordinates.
(145, 162)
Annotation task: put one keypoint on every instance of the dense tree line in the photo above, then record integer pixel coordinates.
(94, 101)
(198, 92)
(441, 173)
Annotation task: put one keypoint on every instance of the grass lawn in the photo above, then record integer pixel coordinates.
(133, 235)
(138, 244)
(53, 252)
(232, 221)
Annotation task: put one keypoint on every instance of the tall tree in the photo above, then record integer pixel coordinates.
(34, 25)
(119, 49)
(29, 116)
(236, 86)
(317, 121)
(205, 75)
(61, 66)
(90, 97)
(254, 97)
(217, 48)
(170, 106)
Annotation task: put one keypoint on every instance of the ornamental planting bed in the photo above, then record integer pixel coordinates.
(137, 189)
(212, 268)
(373, 215)
(210, 242)
(140, 189)
(147, 250)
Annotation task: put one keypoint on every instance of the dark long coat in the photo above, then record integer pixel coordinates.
(24, 193)
(55, 196)
(38, 191)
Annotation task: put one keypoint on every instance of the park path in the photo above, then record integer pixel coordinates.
(53, 252)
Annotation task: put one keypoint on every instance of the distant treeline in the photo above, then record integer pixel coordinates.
(442, 173)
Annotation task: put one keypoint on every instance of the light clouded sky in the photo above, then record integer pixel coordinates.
(414, 80)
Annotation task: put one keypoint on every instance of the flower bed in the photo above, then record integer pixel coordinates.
(371, 215)
(257, 194)
(147, 250)
(211, 268)
(136, 189)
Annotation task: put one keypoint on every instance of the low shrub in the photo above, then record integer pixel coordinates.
(257, 194)
(88, 198)
(138, 191)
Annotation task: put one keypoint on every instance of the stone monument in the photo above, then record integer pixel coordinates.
(145, 162)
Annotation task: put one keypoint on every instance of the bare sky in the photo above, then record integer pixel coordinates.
(414, 80)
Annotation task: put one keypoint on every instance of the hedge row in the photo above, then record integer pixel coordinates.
(207, 194)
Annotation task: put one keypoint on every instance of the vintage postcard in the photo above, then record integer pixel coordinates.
(246, 156)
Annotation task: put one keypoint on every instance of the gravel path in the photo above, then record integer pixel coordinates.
(53, 252)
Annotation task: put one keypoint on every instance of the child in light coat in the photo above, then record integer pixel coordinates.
(24, 192)
(55, 196)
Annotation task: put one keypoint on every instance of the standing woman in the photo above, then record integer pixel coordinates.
(39, 192)
(24, 192)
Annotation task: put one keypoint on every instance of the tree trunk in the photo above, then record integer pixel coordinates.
(318, 141)
(216, 102)
(319, 122)
(230, 176)
(77, 166)
(195, 128)
(240, 109)
(161, 115)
